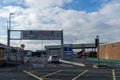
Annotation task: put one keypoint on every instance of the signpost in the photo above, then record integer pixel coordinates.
(21, 53)
(68, 53)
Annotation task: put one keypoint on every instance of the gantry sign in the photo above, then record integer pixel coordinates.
(41, 35)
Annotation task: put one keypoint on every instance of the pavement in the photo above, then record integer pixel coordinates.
(91, 62)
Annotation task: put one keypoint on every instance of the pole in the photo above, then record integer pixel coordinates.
(8, 36)
(62, 45)
(97, 45)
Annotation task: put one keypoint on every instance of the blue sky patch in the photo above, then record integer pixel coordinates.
(12, 3)
(85, 5)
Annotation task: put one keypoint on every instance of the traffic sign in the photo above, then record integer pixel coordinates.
(22, 46)
(41, 35)
(68, 53)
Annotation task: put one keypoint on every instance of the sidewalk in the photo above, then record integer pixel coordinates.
(89, 62)
(74, 63)
(104, 60)
(110, 63)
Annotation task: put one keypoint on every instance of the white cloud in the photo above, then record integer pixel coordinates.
(46, 3)
(77, 25)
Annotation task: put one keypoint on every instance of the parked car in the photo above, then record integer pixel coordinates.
(53, 59)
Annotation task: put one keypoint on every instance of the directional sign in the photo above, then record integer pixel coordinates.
(41, 35)
(68, 53)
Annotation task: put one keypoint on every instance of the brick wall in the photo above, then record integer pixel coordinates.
(110, 51)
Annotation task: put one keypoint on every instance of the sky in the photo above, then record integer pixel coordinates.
(80, 20)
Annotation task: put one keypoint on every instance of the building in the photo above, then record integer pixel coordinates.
(56, 49)
(110, 51)
(2, 53)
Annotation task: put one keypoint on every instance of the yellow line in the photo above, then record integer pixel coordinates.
(33, 75)
(113, 74)
(80, 75)
(52, 73)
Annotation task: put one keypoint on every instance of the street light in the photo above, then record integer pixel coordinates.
(8, 36)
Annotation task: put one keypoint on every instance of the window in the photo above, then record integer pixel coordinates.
(105, 46)
(114, 45)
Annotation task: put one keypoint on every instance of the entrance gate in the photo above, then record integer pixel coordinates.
(38, 35)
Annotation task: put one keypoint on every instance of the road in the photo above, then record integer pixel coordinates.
(64, 71)
(39, 69)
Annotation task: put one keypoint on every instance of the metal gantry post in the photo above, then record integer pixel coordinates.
(62, 45)
(8, 36)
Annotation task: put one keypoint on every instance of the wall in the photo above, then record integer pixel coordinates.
(110, 51)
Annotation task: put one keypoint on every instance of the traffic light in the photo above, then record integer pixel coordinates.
(97, 41)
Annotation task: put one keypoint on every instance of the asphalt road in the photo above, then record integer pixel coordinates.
(39, 69)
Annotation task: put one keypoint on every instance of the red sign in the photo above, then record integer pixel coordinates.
(22, 46)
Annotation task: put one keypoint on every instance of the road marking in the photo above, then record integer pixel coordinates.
(74, 63)
(33, 75)
(52, 73)
(80, 75)
(113, 74)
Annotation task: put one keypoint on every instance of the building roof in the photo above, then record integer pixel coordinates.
(5, 46)
(110, 43)
(2, 45)
(74, 46)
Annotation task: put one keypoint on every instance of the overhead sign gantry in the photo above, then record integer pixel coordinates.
(40, 35)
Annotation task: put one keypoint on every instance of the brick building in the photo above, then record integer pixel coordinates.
(2, 53)
(110, 51)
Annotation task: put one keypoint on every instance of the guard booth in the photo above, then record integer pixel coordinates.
(68, 53)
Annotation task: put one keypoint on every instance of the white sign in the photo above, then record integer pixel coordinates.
(41, 35)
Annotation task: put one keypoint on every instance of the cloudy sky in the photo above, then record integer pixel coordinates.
(81, 20)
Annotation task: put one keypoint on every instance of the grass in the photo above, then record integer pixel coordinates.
(104, 60)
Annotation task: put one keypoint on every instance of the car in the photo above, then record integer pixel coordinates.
(53, 59)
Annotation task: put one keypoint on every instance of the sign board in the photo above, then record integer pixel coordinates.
(41, 35)
(68, 53)
(22, 46)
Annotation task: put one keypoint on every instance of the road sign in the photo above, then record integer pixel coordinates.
(22, 46)
(41, 35)
(68, 53)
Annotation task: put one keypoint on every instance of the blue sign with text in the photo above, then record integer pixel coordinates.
(68, 53)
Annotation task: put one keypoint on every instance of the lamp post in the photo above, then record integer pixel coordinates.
(8, 36)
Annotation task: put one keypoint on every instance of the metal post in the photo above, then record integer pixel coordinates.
(62, 45)
(97, 45)
(42, 49)
(8, 36)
